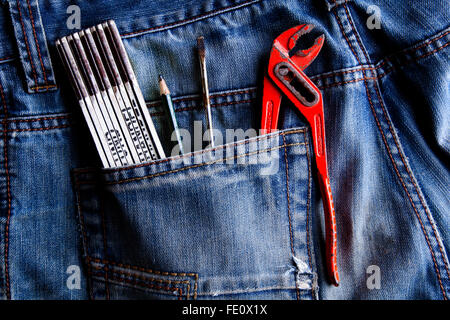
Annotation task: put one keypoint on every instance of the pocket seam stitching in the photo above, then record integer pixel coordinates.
(291, 237)
(193, 19)
(195, 153)
(146, 285)
(213, 105)
(141, 269)
(193, 166)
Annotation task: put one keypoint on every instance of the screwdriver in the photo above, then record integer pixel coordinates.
(204, 75)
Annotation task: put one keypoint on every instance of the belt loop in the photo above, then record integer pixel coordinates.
(32, 45)
(334, 3)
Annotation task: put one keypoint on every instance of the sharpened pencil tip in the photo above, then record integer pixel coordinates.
(163, 89)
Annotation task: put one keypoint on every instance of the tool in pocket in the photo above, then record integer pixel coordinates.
(285, 75)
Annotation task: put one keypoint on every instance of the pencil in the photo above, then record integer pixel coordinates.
(170, 112)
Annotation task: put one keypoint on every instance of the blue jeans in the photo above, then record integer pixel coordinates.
(243, 220)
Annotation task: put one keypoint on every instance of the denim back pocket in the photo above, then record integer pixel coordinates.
(231, 222)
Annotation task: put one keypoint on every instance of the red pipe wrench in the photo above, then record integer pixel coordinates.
(285, 75)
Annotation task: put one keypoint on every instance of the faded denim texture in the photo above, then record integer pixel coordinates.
(214, 224)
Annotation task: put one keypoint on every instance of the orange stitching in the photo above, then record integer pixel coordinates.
(345, 35)
(83, 234)
(231, 102)
(345, 82)
(427, 42)
(8, 188)
(415, 59)
(141, 269)
(233, 93)
(77, 190)
(396, 169)
(308, 204)
(147, 285)
(37, 43)
(387, 71)
(26, 43)
(237, 6)
(387, 59)
(40, 119)
(192, 167)
(102, 214)
(356, 33)
(324, 76)
(289, 210)
(213, 96)
(44, 87)
(7, 58)
(406, 190)
(39, 129)
(195, 286)
(198, 152)
(97, 260)
(200, 107)
(142, 277)
(105, 269)
(401, 155)
(411, 178)
(431, 52)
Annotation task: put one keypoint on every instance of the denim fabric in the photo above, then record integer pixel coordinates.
(194, 220)
(243, 221)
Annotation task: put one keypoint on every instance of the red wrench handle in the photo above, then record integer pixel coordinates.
(312, 109)
(271, 107)
(330, 225)
(318, 132)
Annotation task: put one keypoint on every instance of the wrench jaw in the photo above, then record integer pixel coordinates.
(284, 40)
(303, 58)
(282, 46)
(287, 40)
(304, 29)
